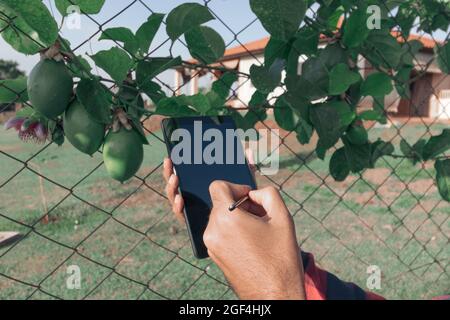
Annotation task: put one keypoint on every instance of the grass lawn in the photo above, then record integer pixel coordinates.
(129, 246)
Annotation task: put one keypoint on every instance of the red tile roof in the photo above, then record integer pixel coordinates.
(258, 46)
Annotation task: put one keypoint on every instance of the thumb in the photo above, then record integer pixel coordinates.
(270, 199)
(222, 191)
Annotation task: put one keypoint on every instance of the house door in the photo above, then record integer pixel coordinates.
(421, 95)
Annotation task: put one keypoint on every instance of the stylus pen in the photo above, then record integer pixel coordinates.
(238, 203)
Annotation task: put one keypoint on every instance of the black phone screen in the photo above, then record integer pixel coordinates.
(201, 156)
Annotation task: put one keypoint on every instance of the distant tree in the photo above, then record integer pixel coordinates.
(9, 70)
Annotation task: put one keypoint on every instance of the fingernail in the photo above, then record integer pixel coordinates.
(172, 179)
(177, 199)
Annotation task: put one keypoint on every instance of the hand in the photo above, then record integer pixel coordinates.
(175, 199)
(172, 193)
(255, 245)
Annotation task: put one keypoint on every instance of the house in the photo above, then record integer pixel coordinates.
(430, 93)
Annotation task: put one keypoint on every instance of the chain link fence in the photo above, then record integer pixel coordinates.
(124, 243)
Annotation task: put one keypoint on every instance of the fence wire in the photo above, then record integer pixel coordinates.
(127, 244)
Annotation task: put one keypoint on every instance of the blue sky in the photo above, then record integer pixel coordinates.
(235, 15)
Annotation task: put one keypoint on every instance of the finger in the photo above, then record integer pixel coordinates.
(239, 191)
(178, 208)
(254, 209)
(251, 160)
(227, 192)
(172, 188)
(271, 200)
(168, 169)
(220, 192)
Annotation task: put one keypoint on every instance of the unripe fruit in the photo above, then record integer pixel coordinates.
(123, 154)
(81, 130)
(50, 87)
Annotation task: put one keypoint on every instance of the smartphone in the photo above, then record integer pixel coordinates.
(203, 150)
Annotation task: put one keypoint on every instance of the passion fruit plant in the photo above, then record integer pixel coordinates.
(67, 99)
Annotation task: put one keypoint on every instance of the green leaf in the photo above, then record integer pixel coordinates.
(304, 131)
(96, 98)
(415, 152)
(332, 55)
(314, 82)
(174, 107)
(199, 102)
(248, 121)
(86, 6)
(330, 121)
(221, 89)
(58, 135)
(341, 78)
(26, 112)
(437, 145)
(382, 49)
(147, 32)
(223, 85)
(281, 18)
(258, 100)
(443, 57)
(443, 178)
(27, 26)
(115, 62)
(321, 149)
(370, 115)
(377, 85)
(339, 168)
(402, 82)
(359, 157)
(205, 44)
(153, 91)
(123, 35)
(276, 49)
(405, 19)
(380, 149)
(148, 69)
(139, 129)
(410, 50)
(355, 29)
(357, 135)
(186, 17)
(79, 67)
(306, 43)
(267, 79)
(378, 106)
(284, 114)
(13, 90)
(316, 74)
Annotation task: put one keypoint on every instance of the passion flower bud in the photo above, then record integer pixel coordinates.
(15, 123)
(29, 129)
(41, 132)
(27, 124)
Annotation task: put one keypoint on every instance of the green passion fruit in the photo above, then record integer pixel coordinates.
(81, 130)
(50, 87)
(123, 154)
